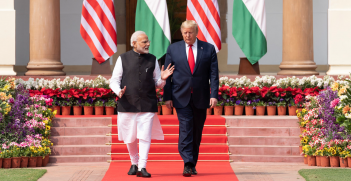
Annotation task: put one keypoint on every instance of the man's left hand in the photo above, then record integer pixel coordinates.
(213, 102)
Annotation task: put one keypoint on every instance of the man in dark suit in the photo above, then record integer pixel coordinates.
(192, 89)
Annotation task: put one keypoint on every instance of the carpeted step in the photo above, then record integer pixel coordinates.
(174, 157)
(174, 139)
(78, 158)
(73, 121)
(264, 140)
(263, 131)
(266, 158)
(81, 140)
(264, 150)
(175, 130)
(223, 148)
(262, 121)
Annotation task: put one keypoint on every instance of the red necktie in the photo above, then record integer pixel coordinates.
(191, 59)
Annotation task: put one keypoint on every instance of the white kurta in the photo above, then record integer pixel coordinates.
(142, 125)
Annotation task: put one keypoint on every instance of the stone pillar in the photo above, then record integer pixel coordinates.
(339, 37)
(298, 38)
(7, 37)
(44, 38)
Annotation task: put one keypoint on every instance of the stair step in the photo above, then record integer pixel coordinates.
(81, 140)
(174, 139)
(78, 158)
(264, 140)
(263, 131)
(262, 121)
(174, 157)
(81, 122)
(175, 130)
(81, 149)
(71, 131)
(265, 158)
(264, 150)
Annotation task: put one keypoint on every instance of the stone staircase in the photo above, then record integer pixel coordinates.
(263, 138)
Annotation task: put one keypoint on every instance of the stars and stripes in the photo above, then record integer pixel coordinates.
(98, 28)
(206, 15)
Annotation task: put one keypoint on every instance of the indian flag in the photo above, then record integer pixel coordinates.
(249, 28)
(152, 18)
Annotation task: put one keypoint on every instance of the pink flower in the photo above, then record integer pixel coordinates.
(334, 103)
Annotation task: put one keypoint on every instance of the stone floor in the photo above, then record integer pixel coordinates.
(245, 171)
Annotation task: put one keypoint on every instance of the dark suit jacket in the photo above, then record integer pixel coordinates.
(179, 85)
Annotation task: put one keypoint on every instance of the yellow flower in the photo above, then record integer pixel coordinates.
(52, 144)
(304, 110)
(335, 86)
(298, 114)
(6, 87)
(49, 109)
(55, 112)
(48, 127)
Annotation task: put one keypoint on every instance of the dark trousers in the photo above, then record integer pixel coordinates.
(191, 124)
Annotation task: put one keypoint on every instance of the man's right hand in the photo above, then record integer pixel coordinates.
(122, 92)
(169, 104)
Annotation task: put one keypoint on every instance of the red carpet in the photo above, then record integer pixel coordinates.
(172, 171)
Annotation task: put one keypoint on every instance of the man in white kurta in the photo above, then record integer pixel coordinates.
(133, 124)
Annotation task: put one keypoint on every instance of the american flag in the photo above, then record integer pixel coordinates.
(98, 28)
(206, 15)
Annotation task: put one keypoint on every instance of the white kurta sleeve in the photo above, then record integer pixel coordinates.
(115, 83)
(159, 83)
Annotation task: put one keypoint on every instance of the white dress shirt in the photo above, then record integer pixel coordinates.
(194, 47)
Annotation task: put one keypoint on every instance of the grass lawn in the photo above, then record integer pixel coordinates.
(21, 174)
(326, 174)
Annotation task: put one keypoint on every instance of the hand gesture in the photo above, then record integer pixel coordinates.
(166, 73)
(122, 92)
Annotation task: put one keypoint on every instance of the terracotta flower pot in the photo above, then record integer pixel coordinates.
(292, 110)
(32, 162)
(58, 110)
(77, 110)
(271, 110)
(348, 162)
(24, 162)
(281, 110)
(16, 162)
(238, 110)
(343, 162)
(46, 160)
(0, 162)
(311, 160)
(39, 161)
(299, 109)
(166, 110)
(334, 161)
(325, 161)
(66, 110)
(209, 111)
(110, 110)
(6, 163)
(260, 110)
(218, 110)
(174, 111)
(249, 111)
(305, 160)
(302, 129)
(158, 110)
(228, 110)
(99, 110)
(318, 161)
(88, 110)
(300, 149)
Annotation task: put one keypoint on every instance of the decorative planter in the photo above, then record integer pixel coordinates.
(318, 161)
(348, 162)
(325, 161)
(343, 162)
(58, 109)
(39, 161)
(260, 110)
(46, 160)
(228, 110)
(305, 159)
(249, 111)
(32, 162)
(334, 161)
(99, 110)
(16, 162)
(300, 149)
(66, 110)
(0, 162)
(299, 109)
(24, 162)
(218, 110)
(174, 111)
(281, 110)
(88, 110)
(110, 110)
(302, 129)
(209, 111)
(238, 110)
(6, 163)
(292, 110)
(311, 160)
(166, 110)
(271, 110)
(158, 110)
(77, 110)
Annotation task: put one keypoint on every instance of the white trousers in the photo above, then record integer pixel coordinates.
(144, 147)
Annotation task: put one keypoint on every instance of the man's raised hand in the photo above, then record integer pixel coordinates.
(122, 92)
(166, 73)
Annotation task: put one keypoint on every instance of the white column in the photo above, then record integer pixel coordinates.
(7, 37)
(339, 37)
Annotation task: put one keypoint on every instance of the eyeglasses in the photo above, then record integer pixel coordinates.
(145, 42)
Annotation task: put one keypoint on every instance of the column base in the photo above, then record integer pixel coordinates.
(291, 69)
(339, 70)
(7, 70)
(45, 68)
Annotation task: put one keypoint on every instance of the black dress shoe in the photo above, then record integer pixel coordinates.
(194, 172)
(143, 173)
(187, 171)
(133, 170)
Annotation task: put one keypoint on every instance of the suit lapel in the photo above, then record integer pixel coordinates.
(199, 54)
(184, 58)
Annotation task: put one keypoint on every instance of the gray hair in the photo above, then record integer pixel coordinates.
(135, 36)
(189, 24)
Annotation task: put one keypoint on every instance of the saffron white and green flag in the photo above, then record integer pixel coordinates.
(152, 17)
(249, 28)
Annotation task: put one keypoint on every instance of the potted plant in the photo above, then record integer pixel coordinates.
(261, 108)
(159, 95)
(249, 108)
(88, 106)
(310, 152)
(56, 105)
(110, 106)
(66, 105)
(281, 107)
(334, 158)
(165, 109)
(239, 107)
(25, 153)
(292, 107)
(6, 158)
(77, 106)
(218, 109)
(16, 157)
(47, 153)
(271, 108)
(99, 107)
(343, 158)
(33, 157)
(299, 100)
(229, 106)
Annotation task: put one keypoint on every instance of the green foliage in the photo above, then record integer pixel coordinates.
(328, 174)
(111, 103)
(98, 102)
(22, 174)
